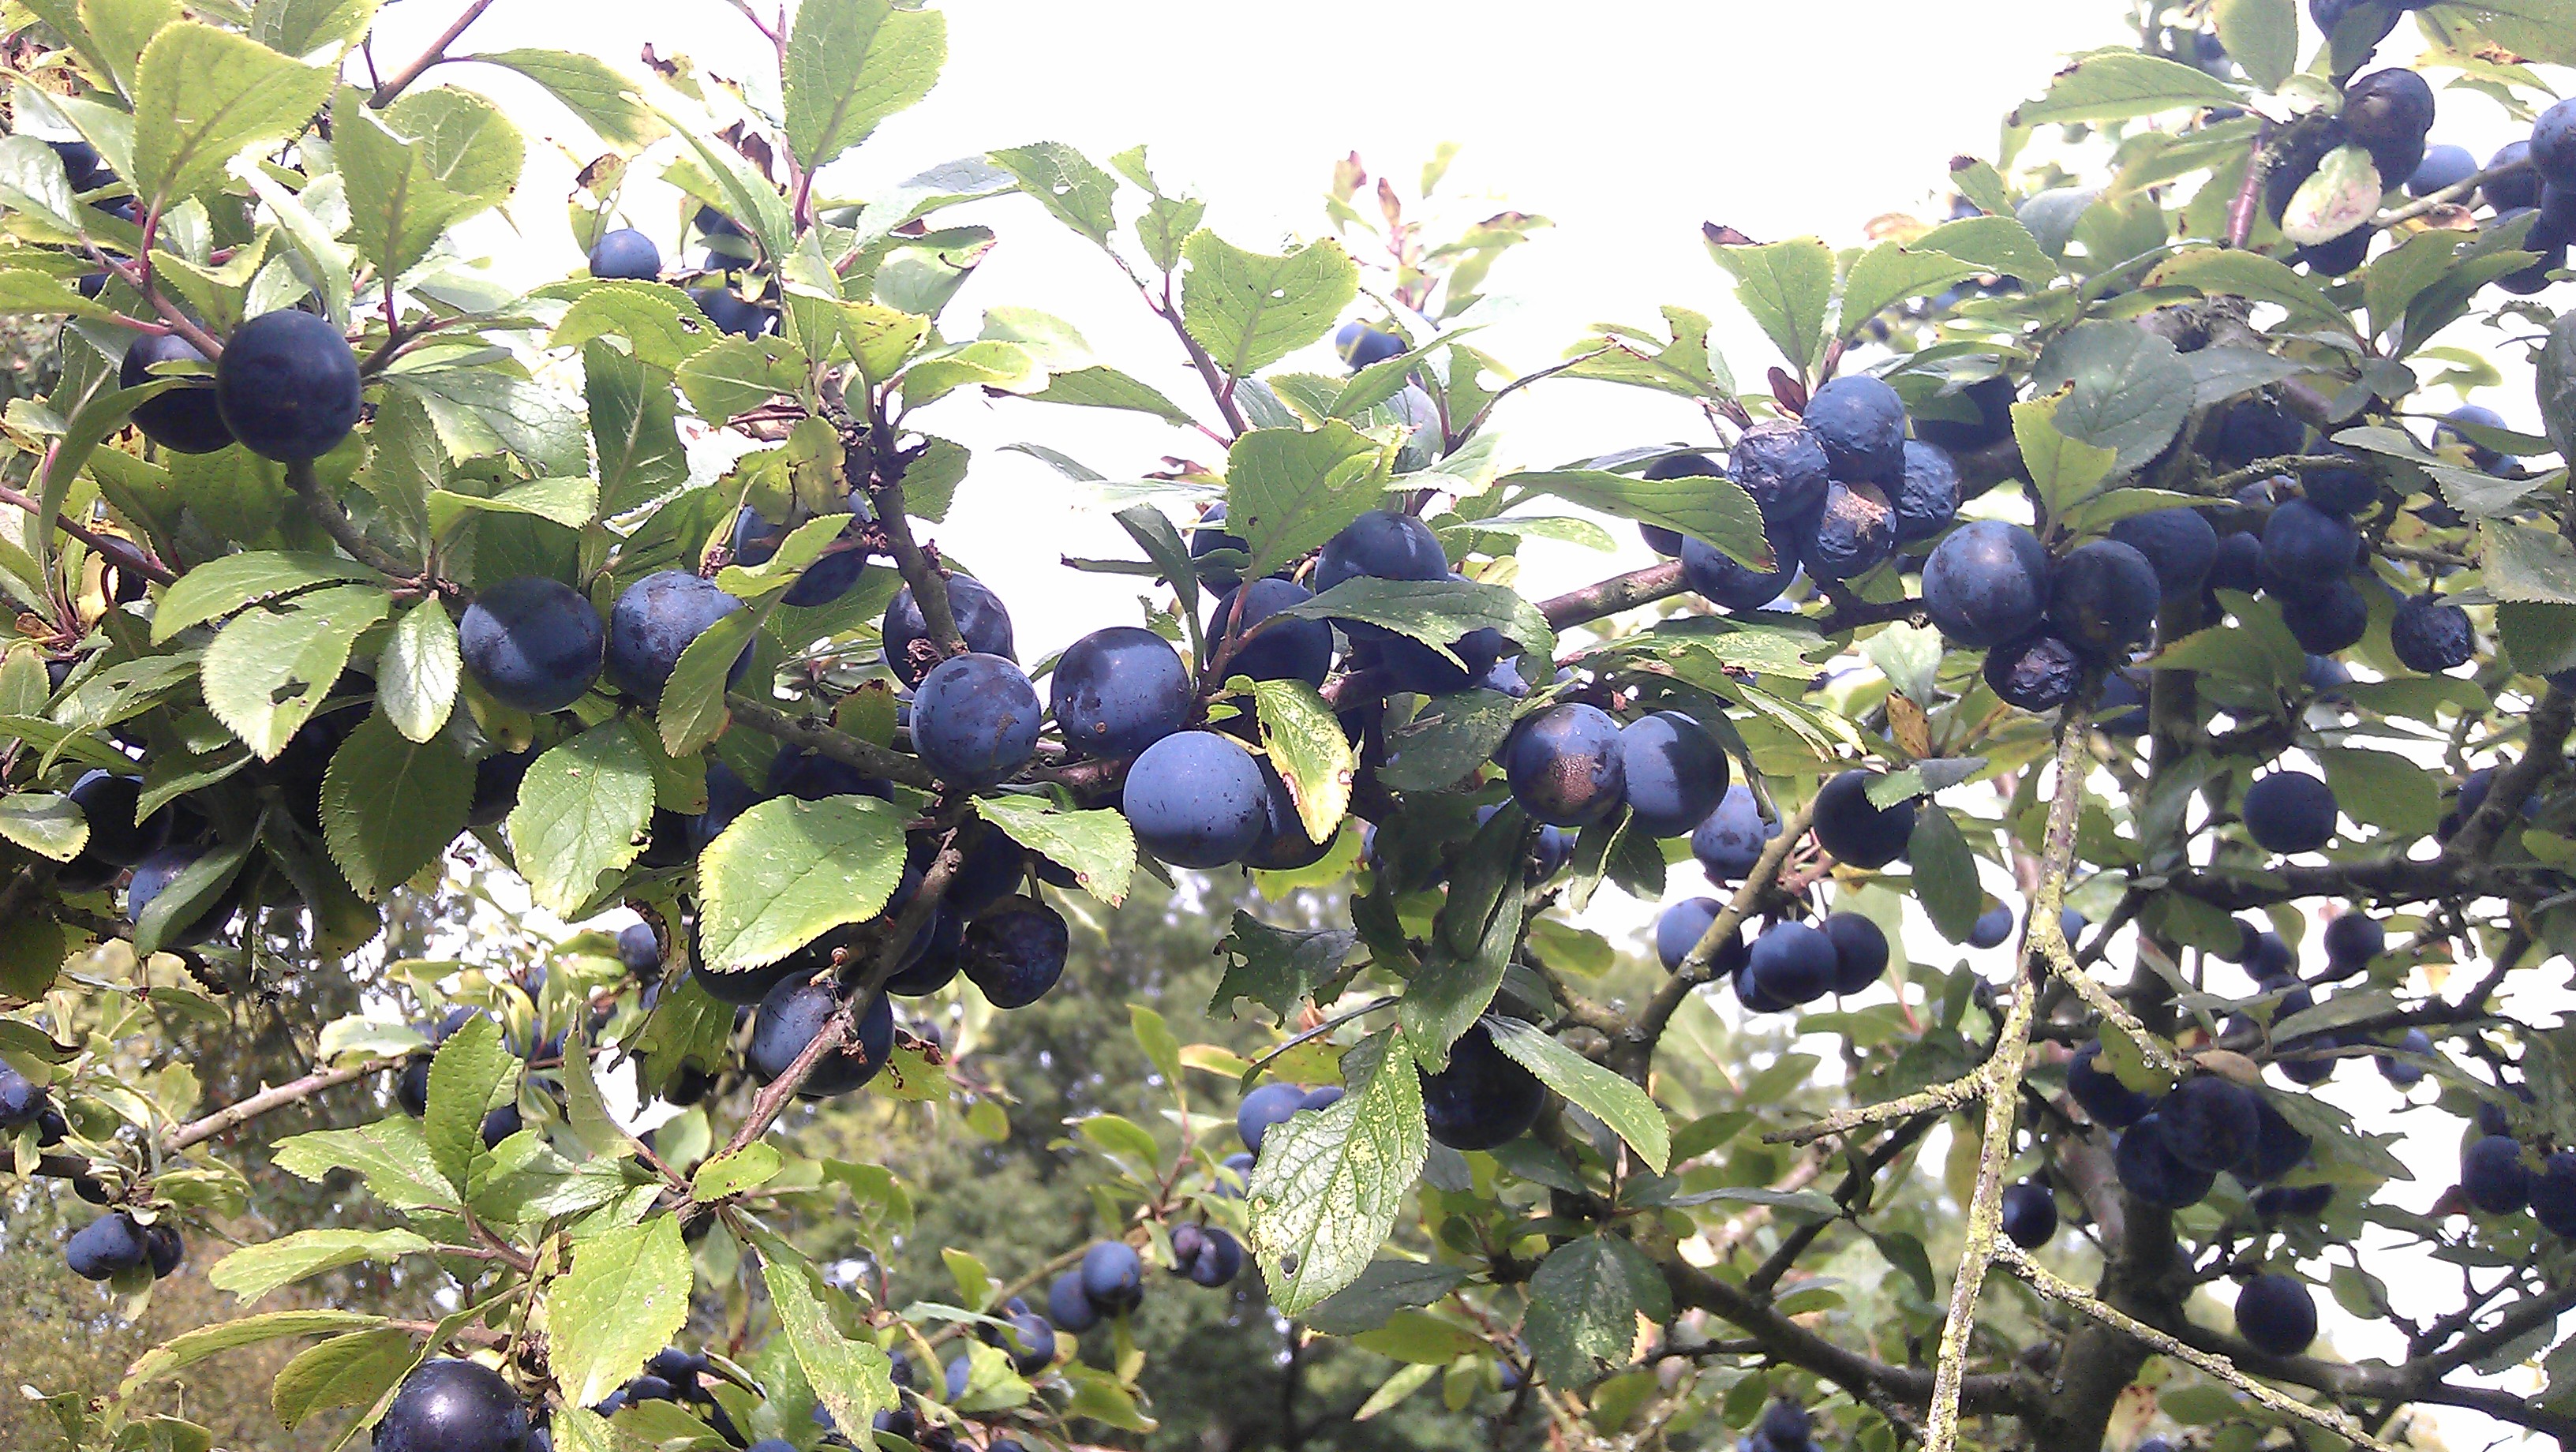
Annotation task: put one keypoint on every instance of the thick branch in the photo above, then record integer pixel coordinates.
(1786, 1340)
(234, 1116)
(1611, 596)
(436, 53)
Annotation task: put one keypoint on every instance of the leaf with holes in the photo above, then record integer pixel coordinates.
(1330, 1183)
(1249, 310)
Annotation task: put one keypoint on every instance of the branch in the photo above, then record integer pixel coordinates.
(336, 523)
(1786, 1340)
(2451, 193)
(1632, 1056)
(125, 554)
(2056, 1288)
(436, 53)
(885, 491)
(2002, 1074)
(867, 756)
(232, 1117)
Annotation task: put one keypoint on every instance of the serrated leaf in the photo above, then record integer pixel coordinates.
(1066, 183)
(2064, 470)
(431, 160)
(417, 672)
(1097, 846)
(1101, 386)
(1945, 874)
(1716, 512)
(204, 95)
(606, 102)
(255, 1270)
(1889, 273)
(1277, 968)
(391, 805)
(1384, 1288)
(2554, 380)
(570, 502)
(48, 824)
(222, 586)
(1686, 366)
(1249, 310)
(1584, 1304)
(2527, 566)
(1330, 1183)
(692, 710)
(2112, 85)
(190, 1347)
(625, 1296)
(1787, 287)
(582, 811)
(1306, 745)
(853, 1379)
(2128, 391)
(660, 325)
(788, 871)
(356, 1370)
(1616, 1102)
(736, 375)
(270, 667)
(1435, 612)
(2000, 245)
(1289, 490)
(391, 1154)
(2341, 194)
(463, 1076)
(852, 63)
(2234, 272)
(1448, 738)
(2262, 36)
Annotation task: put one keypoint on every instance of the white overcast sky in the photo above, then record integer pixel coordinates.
(1628, 123)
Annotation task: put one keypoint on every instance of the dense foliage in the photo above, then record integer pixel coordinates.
(2108, 538)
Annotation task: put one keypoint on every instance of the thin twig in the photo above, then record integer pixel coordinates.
(436, 54)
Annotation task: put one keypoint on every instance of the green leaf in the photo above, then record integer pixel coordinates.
(2541, 30)
(203, 96)
(1066, 183)
(2262, 36)
(1277, 968)
(36, 190)
(1330, 1183)
(985, 363)
(2383, 789)
(1787, 287)
(391, 1154)
(736, 375)
(582, 811)
(255, 1270)
(570, 502)
(2129, 392)
(1613, 1100)
(429, 161)
(300, 27)
(1435, 612)
(2527, 566)
(24, 292)
(1448, 738)
(747, 1168)
(391, 805)
(467, 1071)
(692, 710)
(1686, 366)
(788, 871)
(48, 824)
(1945, 874)
(1422, 1339)
(1716, 512)
(2234, 272)
(1889, 273)
(270, 667)
(1100, 386)
(1306, 745)
(1584, 1303)
(853, 1379)
(1407, 1380)
(198, 888)
(606, 102)
(2114, 84)
(190, 1347)
(625, 1297)
(660, 325)
(417, 672)
(1097, 846)
(2554, 379)
(2341, 194)
(634, 425)
(1249, 311)
(1474, 933)
(356, 1370)
(1289, 490)
(852, 63)
(2064, 470)
(1381, 1290)
(222, 586)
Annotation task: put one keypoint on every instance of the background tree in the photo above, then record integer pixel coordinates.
(2101, 533)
